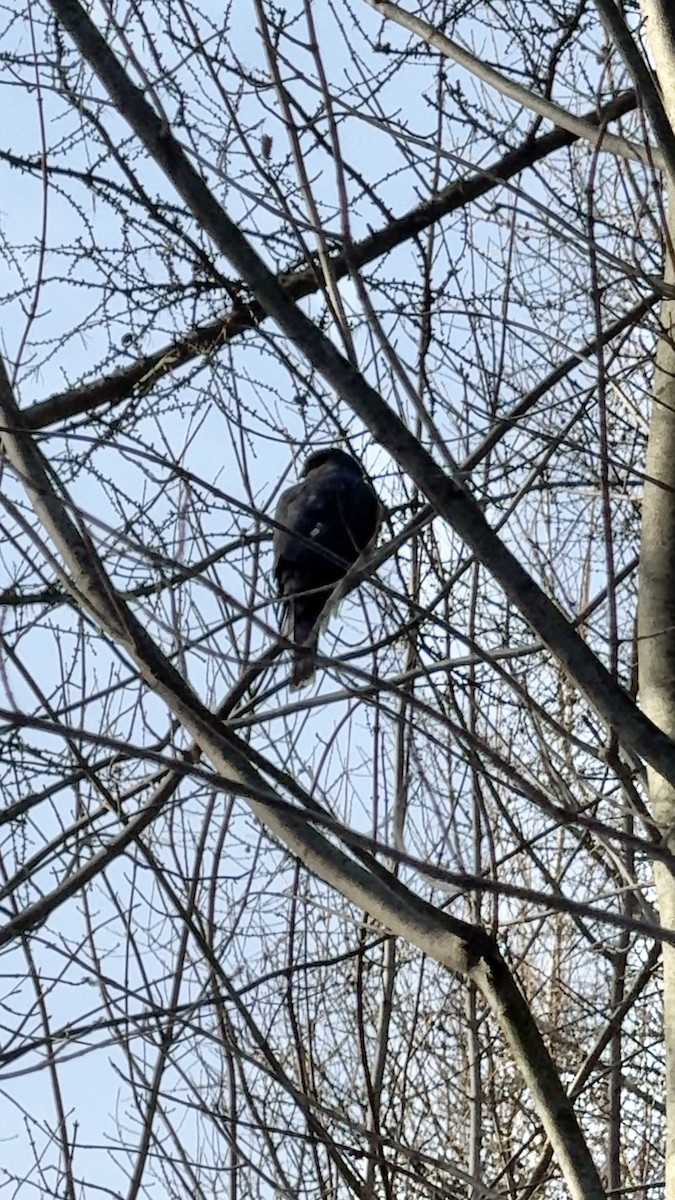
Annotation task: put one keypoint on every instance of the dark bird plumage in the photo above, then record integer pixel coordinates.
(327, 520)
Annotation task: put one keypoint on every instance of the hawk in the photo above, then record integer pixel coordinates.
(324, 523)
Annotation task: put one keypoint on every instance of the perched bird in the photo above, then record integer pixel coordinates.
(325, 522)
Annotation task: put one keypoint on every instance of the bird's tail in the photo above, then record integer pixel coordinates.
(305, 636)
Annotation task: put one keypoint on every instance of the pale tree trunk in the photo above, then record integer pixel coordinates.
(656, 624)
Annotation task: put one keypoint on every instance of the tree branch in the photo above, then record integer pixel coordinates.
(143, 374)
(460, 947)
(615, 24)
(449, 500)
(581, 127)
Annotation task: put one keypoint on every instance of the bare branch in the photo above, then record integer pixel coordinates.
(579, 126)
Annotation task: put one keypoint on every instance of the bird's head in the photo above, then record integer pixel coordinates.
(333, 457)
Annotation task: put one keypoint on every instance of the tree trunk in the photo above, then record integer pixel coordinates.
(656, 620)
